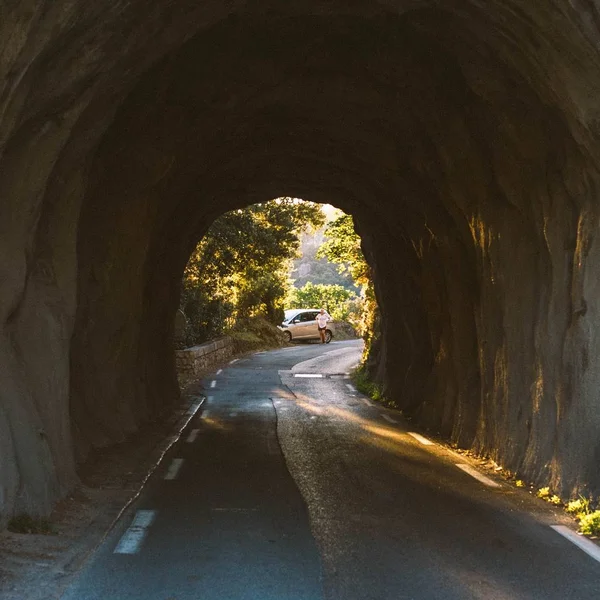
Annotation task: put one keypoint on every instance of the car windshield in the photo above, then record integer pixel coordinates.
(290, 314)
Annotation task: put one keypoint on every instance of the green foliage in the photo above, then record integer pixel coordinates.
(255, 333)
(366, 386)
(318, 270)
(579, 507)
(333, 298)
(544, 493)
(590, 524)
(240, 267)
(342, 246)
(27, 524)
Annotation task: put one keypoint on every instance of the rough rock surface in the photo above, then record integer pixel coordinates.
(462, 136)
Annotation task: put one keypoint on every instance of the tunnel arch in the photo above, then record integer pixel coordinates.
(464, 143)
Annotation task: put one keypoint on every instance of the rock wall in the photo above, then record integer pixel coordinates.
(463, 139)
(191, 362)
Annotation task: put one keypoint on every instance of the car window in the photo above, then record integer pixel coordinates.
(312, 316)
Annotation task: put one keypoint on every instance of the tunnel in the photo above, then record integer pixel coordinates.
(462, 137)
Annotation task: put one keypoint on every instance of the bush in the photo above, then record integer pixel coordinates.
(254, 333)
(368, 387)
(590, 524)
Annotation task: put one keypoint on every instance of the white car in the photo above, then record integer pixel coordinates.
(301, 324)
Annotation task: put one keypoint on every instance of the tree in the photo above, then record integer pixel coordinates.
(240, 267)
(342, 246)
(334, 298)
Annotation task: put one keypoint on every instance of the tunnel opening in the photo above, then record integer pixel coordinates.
(464, 143)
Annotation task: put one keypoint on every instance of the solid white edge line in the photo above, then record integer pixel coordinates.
(193, 435)
(308, 374)
(213, 383)
(174, 468)
(350, 387)
(581, 542)
(367, 401)
(233, 361)
(389, 419)
(420, 438)
(219, 371)
(131, 540)
(477, 475)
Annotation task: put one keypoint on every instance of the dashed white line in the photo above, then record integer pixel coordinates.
(131, 540)
(233, 361)
(582, 543)
(350, 387)
(174, 468)
(213, 383)
(308, 374)
(389, 419)
(193, 435)
(477, 475)
(420, 438)
(219, 371)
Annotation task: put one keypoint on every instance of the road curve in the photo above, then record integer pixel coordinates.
(289, 484)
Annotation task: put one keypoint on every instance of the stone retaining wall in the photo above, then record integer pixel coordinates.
(193, 361)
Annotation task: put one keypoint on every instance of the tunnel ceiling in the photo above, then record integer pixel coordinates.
(462, 137)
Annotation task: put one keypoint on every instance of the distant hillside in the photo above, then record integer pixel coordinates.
(309, 268)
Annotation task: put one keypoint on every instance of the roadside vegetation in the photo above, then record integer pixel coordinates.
(238, 280)
(239, 270)
(581, 508)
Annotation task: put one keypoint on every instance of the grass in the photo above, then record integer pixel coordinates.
(590, 524)
(369, 388)
(544, 493)
(27, 524)
(581, 509)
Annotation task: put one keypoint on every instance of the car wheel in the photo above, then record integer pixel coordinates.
(288, 335)
(328, 336)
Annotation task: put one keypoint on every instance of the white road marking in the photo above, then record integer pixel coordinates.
(389, 419)
(367, 401)
(193, 435)
(308, 375)
(194, 407)
(219, 371)
(131, 540)
(350, 387)
(477, 475)
(213, 383)
(581, 542)
(233, 414)
(174, 468)
(233, 361)
(420, 438)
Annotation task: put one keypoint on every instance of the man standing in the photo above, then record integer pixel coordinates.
(322, 319)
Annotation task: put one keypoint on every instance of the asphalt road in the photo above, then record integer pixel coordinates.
(288, 484)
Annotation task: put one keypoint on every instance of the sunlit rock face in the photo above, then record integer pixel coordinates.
(464, 142)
